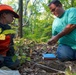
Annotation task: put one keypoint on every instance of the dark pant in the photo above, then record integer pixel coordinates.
(7, 61)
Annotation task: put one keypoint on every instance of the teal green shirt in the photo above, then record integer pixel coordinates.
(69, 17)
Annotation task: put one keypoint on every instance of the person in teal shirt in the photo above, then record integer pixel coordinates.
(64, 31)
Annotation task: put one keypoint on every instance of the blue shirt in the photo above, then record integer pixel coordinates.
(69, 17)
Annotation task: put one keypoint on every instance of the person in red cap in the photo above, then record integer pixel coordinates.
(7, 15)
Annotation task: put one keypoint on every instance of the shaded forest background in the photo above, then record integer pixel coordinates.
(33, 30)
(34, 25)
(35, 18)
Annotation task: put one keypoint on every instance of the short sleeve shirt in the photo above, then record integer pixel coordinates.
(69, 17)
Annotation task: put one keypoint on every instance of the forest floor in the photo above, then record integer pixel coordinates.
(39, 66)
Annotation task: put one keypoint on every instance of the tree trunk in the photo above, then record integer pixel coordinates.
(20, 19)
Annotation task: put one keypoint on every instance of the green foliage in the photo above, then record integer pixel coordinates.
(40, 31)
(38, 23)
(9, 31)
(74, 74)
(71, 3)
(14, 58)
(39, 28)
(22, 48)
(69, 72)
(46, 7)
